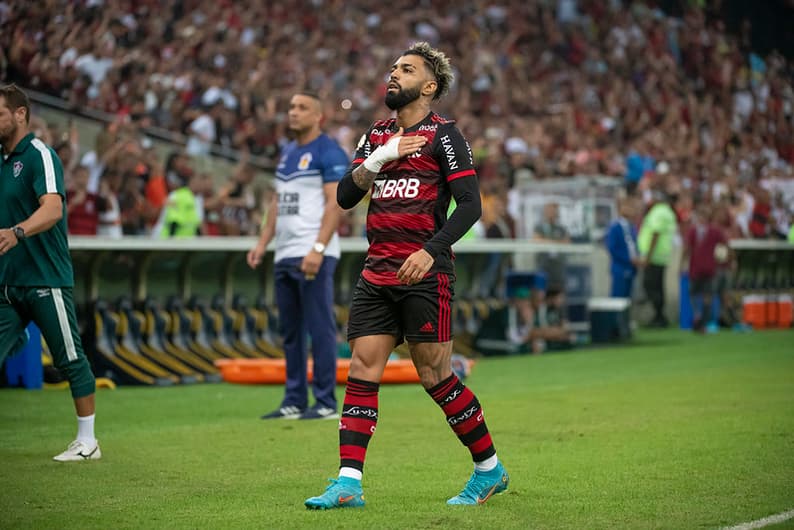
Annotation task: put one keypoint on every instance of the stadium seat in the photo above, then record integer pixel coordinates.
(266, 322)
(234, 328)
(158, 333)
(187, 330)
(253, 328)
(209, 329)
(137, 341)
(114, 362)
(127, 333)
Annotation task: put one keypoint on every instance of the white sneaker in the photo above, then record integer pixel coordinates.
(289, 412)
(320, 413)
(78, 451)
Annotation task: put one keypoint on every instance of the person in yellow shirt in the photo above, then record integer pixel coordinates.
(655, 243)
(183, 212)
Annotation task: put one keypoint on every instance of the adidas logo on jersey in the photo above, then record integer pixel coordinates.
(396, 188)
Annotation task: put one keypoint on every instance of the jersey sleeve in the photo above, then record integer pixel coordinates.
(348, 194)
(335, 163)
(456, 165)
(47, 171)
(454, 155)
(363, 149)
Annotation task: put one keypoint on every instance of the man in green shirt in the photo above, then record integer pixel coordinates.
(36, 277)
(183, 212)
(655, 243)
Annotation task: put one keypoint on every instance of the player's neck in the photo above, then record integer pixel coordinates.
(306, 137)
(411, 114)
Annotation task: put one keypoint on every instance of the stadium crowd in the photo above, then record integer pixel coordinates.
(544, 89)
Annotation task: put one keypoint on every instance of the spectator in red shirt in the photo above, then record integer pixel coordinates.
(759, 222)
(82, 206)
(701, 253)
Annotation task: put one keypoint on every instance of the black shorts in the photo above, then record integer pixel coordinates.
(416, 313)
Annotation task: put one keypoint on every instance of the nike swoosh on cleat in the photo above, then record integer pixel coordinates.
(89, 454)
(481, 500)
(343, 500)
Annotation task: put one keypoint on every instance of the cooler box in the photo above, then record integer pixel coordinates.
(609, 319)
(772, 313)
(754, 310)
(785, 311)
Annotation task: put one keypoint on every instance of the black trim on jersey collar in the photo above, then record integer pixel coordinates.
(427, 119)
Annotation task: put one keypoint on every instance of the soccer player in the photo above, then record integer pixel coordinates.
(303, 217)
(36, 277)
(412, 165)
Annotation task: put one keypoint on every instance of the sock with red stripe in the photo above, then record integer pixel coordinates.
(464, 415)
(359, 418)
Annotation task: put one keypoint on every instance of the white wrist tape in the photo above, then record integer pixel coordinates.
(383, 154)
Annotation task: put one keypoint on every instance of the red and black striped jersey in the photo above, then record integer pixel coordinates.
(410, 197)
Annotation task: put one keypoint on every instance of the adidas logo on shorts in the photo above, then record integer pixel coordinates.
(427, 327)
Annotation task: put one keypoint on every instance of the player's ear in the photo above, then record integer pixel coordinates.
(21, 114)
(430, 88)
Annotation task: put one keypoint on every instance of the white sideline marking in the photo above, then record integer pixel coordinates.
(766, 521)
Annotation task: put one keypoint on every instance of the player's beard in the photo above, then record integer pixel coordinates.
(399, 99)
(7, 135)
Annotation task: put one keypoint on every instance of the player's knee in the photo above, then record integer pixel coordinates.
(80, 377)
(365, 368)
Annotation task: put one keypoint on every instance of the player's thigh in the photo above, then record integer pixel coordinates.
(373, 312)
(12, 327)
(52, 309)
(426, 309)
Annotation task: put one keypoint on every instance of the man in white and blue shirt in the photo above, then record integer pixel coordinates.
(303, 219)
(621, 242)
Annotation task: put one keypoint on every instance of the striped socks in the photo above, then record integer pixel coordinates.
(357, 425)
(464, 415)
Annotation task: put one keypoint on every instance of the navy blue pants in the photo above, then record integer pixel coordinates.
(622, 283)
(306, 308)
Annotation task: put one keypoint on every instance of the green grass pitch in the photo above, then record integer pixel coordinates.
(673, 431)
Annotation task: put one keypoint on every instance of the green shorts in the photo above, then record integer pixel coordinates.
(52, 310)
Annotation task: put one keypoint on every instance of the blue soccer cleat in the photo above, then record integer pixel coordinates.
(343, 492)
(482, 486)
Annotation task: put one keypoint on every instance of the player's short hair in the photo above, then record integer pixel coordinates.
(16, 98)
(309, 93)
(437, 62)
